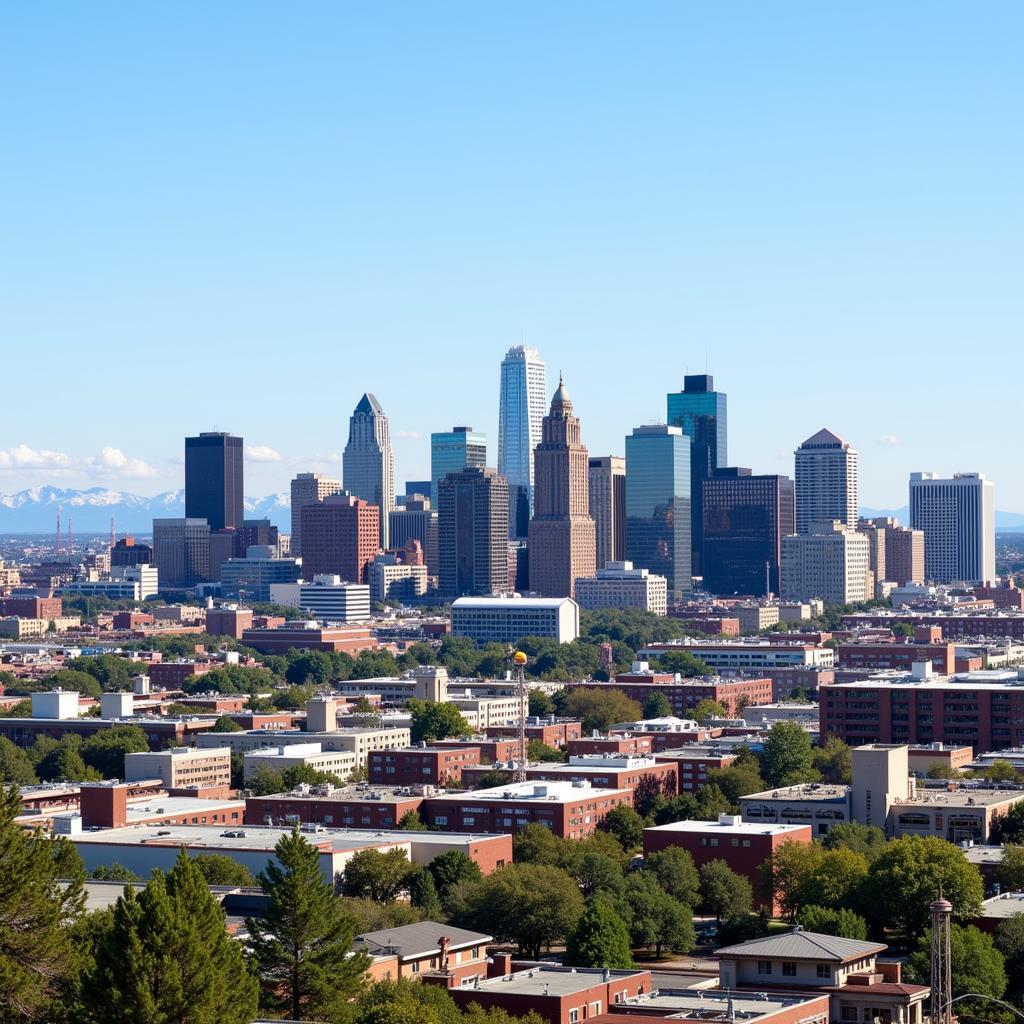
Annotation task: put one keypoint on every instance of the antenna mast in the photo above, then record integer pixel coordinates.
(942, 985)
(56, 548)
(111, 533)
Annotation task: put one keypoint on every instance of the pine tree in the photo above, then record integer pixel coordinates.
(37, 958)
(600, 939)
(166, 958)
(423, 895)
(303, 945)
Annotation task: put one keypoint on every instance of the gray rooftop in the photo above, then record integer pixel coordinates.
(551, 980)
(798, 945)
(416, 940)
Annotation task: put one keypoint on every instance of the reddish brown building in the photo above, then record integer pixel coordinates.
(351, 639)
(637, 744)
(712, 625)
(731, 693)
(898, 655)
(32, 607)
(173, 675)
(228, 621)
(421, 766)
(340, 537)
(553, 733)
(131, 620)
(491, 750)
(693, 765)
(996, 625)
(345, 808)
(160, 732)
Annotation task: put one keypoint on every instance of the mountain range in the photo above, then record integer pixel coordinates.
(35, 510)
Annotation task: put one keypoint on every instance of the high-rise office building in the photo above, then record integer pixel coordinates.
(368, 465)
(340, 537)
(702, 412)
(876, 549)
(472, 533)
(181, 552)
(416, 520)
(308, 489)
(829, 561)
(127, 552)
(452, 450)
(958, 518)
(256, 533)
(826, 481)
(562, 539)
(904, 550)
(608, 507)
(214, 480)
(745, 518)
(521, 407)
(658, 513)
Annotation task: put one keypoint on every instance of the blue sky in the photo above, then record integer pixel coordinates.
(243, 215)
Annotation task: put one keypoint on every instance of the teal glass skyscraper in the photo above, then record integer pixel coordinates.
(452, 450)
(522, 405)
(701, 412)
(658, 504)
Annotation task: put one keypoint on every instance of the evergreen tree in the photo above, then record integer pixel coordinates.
(600, 938)
(166, 957)
(15, 765)
(423, 895)
(37, 956)
(303, 945)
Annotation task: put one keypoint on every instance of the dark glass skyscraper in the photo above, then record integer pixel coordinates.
(473, 533)
(745, 518)
(213, 480)
(702, 413)
(658, 509)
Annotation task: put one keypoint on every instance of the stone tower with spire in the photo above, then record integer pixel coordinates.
(368, 464)
(562, 540)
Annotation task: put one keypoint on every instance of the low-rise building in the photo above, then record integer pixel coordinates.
(422, 765)
(508, 619)
(308, 755)
(356, 741)
(411, 951)
(748, 655)
(619, 585)
(950, 757)
(694, 763)
(308, 636)
(326, 598)
(685, 694)
(359, 806)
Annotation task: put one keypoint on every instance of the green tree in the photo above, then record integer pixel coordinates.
(313, 667)
(868, 840)
(1011, 868)
(532, 905)
(538, 750)
(265, 781)
(659, 922)
(742, 928)
(657, 706)
(906, 876)
(706, 804)
(452, 868)
(423, 894)
(976, 966)
(999, 770)
(303, 943)
(540, 704)
(598, 872)
(676, 874)
(536, 844)
(492, 778)
(64, 764)
(15, 765)
(370, 874)
(708, 709)
(788, 757)
(217, 869)
(1008, 828)
(226, 724)
(105, 750)
(432, 721)
(625, 825)
(833, 761)
(803, 874)
(1010, 942)
(111, 671)
(598, 709)
(37, 954)
(827, 921)
(167, 957)
(412, 822)
(684, 663)
(114, 873)
(735, 782)
(600, 938)
(723, 892)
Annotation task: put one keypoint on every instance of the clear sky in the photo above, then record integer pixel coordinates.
(243, 215)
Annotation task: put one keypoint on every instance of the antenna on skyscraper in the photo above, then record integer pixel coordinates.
(69, 537)
(56, 549)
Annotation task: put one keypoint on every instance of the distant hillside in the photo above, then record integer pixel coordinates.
(1005, 521)
(35, 510)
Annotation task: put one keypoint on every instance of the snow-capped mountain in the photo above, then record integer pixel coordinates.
(35, 510)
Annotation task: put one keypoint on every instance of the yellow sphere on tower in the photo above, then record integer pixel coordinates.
(519, 658)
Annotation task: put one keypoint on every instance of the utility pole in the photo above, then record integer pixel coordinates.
(942, 986)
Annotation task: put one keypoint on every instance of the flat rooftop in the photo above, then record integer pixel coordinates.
(730, 828)
(714, 1004)
(810, 791)
(533, 791)
(552, 981)
(966, 796)
(1007, 904)
(982, 855)
(362, 794)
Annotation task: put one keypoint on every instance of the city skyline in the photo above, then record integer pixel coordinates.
(635, 217)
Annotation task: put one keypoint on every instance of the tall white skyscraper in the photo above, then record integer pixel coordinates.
(368, 465)
(826, 482)
(522, 406)
(958, 518)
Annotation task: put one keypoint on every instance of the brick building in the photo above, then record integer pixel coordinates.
(636, 746)
(423, 765)
(694, 763)
(32, 607)
(341, 536)
(554, 733)
(683, 696)
(411, 951)
(993, 625)
(174, 675)
(228, 621)
(350, 639)
(333, 807)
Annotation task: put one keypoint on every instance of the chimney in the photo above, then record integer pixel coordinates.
(500, 965)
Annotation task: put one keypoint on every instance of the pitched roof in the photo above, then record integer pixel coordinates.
(800, 945)
(369, 404)
(421, 939)
(822, 437)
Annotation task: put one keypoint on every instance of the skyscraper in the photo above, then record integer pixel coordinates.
(826, 482)
(308, 489)
(213, 480)
(658, 513)
(745, 518)
(521, 408)
(608, 507)
(702, 412)
(368, 463)
(472, 533)
(341, 537)
(181, 552)
(416, 520)
(904, 550)
(452, 450)
(958, 518)
(562, 539)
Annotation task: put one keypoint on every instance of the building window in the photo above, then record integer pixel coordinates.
(574, 1016)
(848, 1013)
(824, 971)
(415, 967)
(789, 970)
(764, 967)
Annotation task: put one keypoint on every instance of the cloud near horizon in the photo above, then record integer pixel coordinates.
(110, 463)
(262, 453)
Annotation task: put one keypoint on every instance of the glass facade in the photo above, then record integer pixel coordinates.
(452, 450)
(213, 480)
(702, 414)
(522, 405)
(658, 504)
(745, 518)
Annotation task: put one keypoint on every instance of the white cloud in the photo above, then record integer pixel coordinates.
(23, 457)
(262, 453)
(408, 435)
(888, 439)
(114, 462)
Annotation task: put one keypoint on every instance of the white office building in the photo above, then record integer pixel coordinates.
(830, 562)
(958, 517)
(507, 619)
(309, 755)
(326, 598)
(522, 405)
(826, 481)
(619, 585)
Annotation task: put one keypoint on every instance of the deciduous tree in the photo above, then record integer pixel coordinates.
(723, 892)
(600, 938)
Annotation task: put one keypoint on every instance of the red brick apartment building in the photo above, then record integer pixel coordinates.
(160, 733)
(173, 675)
(927, 645)
(693, 765)
(975, 710)
(419, 766)
(742, 845)
(412, 951)
(491, 750)
(955, 626)
(686, 695)
(638, 745)
(351, 639)
(32, 607)
(554, 734)
(340, 808)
